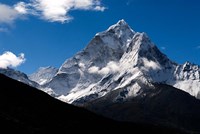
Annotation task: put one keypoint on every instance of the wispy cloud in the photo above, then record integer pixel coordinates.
(21, 7)
(110, 67)
(49, 10)
(8, 59)
(8, 14)
(58, 10)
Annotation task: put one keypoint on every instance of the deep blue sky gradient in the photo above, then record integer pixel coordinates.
(171, 24)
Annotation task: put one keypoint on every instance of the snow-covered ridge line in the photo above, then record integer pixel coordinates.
(19, 76)
(43, 75)
(116, 59)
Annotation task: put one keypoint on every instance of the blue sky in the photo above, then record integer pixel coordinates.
(48, 38)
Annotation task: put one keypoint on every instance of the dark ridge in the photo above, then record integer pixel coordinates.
(26, 110)
(164, 106)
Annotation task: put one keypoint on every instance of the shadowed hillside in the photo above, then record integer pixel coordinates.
(163, 105)
(25, 110)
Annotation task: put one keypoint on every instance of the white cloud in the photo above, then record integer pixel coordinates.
(83, 4)
(151, 64)
(104, 71)
(21, 8)
(7, 14)
(93, 69)
(110, 67)
(113, 66)
(58, 10)
(53, 10)
(99, 8)
(50, 10)
(8, 59)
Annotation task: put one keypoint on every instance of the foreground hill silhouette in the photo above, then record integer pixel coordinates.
(25, 110)
(162, 104)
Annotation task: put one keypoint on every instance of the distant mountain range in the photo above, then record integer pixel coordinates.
(122, 75)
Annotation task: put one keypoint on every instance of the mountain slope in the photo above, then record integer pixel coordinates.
(187, 78)
(114, 58)
(26, 110)
(120, 74)
(162, 105)
(43, 75)
(78, 72)
(19, 76)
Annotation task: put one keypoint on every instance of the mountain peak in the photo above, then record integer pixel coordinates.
(120, 25)
(116, 36)
(43, 74)
(118, 58)
(122, 22)
(118, 29)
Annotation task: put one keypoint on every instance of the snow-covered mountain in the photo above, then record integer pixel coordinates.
(120, 58)
(19, 76)
(43, 75)
(122, 71)
(187, 78)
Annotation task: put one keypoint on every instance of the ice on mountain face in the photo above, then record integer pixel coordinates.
(43, 75)
(128, 92)
(99, 58)
(19, 76)
(188, 71)
(187, 78)
(143, 54)
(119, 59)
(76, 94)
(117, 36)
